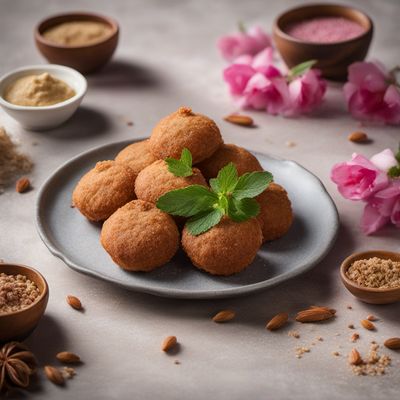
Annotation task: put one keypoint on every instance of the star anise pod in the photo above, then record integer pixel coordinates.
(17, 364)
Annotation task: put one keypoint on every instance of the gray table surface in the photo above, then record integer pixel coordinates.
(167, 58)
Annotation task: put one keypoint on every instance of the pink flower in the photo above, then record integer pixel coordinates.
(359, 178)
(384, 160)
(371, 93)
(250, 43)
(307, 91)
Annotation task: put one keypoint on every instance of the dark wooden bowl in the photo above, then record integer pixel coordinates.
(333, 58)
(85, 59)
(365, 294)
(19, 324)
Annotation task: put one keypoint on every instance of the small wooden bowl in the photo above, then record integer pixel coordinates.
(365, 294)
(333, 58)
(85, 59)
(19, 324)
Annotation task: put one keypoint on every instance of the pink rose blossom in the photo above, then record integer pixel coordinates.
(384, 160)
(238, 44)
(359, 178)
(371, 93)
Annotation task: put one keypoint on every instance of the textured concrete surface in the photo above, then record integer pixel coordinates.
(167, 58)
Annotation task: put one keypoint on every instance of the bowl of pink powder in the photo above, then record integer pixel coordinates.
(334, 35)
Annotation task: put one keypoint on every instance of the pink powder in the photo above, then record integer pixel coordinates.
(325, 29)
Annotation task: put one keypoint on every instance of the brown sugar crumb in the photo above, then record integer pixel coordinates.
(294, 334)
(375, 273)
(16, 292)
(374, 364)
(301, 350)
(354, 337)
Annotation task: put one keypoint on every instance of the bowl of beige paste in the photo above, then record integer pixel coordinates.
(42, 97)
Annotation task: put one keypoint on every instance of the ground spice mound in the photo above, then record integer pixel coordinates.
(375, 273)
(375, 364)
(12, 163)
(16, 292)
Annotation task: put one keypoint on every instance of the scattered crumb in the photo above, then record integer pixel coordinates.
(320, 338)
(313, 343)
(177, 362)
(129, 123)
(301, 350)
(374, 365)
(373, 342)
(294, 334)
(68, 372)
(351, 326)
(337, 334)
(289, 143)
(336, 353)
(355, 336)
(72, 206)
(349, 307)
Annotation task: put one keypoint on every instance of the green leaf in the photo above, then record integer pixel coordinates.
(394, 172)
(203, 222)
(188, 201)
(181, 167)
(397, 156)
(301, 69)
(226, 180)
(252, 184)
(242, 210)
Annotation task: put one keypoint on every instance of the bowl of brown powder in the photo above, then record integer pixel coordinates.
(373, 276)
(23, 299)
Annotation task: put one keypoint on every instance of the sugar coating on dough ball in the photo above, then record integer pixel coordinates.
(226, 248)
(276, 215)
(229, 153)
(140, 237)
(104, 189)
(156, 180)
(185, 129)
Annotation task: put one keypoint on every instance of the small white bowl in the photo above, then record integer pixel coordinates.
(44, 117)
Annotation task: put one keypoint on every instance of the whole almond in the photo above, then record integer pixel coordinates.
(74, 302)
(224, 316)
(68, 357)
(237, 119)
(278, 321)
(22, 185)
(358, 137)
(314, 315)
(168, 343)
(354, 357)
(392, 343)
(367, 324)
(54, 375)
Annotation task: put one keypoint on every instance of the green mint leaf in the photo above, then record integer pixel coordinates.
(188, 201)
(252, 184)
(242, 210)
(397, 155)
(394, 172)
(181, 167)
(301, 69)
(226, 180)
(203, 222)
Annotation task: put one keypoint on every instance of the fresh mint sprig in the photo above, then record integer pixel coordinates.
(181, 167)
(300, 69)
(230, 195)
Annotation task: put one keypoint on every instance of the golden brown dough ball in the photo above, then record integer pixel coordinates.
(276, 214)
(226, 248)
(184, 128)
(137, 156)
(226, 153)
(104, 189)
(140, 237)
(155, 180)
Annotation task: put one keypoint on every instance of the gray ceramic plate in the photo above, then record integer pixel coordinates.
(75, 240)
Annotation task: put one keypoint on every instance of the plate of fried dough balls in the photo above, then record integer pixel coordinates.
(183, 214)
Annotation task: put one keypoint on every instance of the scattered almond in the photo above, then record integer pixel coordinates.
(224, 316)
(355, 336)
(22, 185)
(168, 343)
(314, 314)
(392, 343)
(74, 302)
(371, 318)
(54, 375)
(354, 357)
(68, 357)
(358, 137)
(278, 321)
(237, 119)
(367, 324)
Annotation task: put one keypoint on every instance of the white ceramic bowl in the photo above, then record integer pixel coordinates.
(44, 117)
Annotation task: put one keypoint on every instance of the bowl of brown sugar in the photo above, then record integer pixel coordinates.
(373, 276)
(23, 299)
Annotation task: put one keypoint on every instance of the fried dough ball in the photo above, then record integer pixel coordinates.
(104, 189)
(155, 180)
(226, 248)
(184, 128)
(226, 153)
(276, 214)
(140, 237)
(137, 156)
